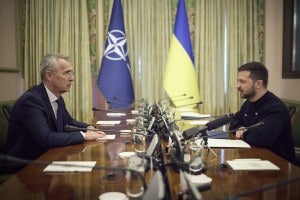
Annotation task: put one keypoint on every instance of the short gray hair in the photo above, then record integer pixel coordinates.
(49, 63)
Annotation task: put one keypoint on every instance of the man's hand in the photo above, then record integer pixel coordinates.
(239, 133)
(93, 135)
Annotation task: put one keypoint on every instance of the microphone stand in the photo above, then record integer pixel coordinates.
(204, 137)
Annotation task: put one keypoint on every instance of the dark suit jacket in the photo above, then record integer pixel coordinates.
(32, 126)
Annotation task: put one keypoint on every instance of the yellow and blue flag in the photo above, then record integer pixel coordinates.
(114, 78)
(180, 75)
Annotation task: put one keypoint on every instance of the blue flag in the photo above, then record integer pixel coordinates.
(114, 78)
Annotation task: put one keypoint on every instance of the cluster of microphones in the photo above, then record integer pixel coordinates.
(157, 121)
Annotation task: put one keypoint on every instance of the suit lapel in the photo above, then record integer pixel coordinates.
(49, 108)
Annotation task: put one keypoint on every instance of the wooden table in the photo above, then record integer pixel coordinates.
(227, 182)
(33, 183)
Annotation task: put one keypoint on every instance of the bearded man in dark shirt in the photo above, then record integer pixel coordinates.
(262, 105)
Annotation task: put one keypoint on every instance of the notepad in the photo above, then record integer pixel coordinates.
(70, 166)
(251, 164)
(107, 137)
(125, 132)
(115, 114)
(108, 122)
(201, 179)
(193, 115)
(227, 143)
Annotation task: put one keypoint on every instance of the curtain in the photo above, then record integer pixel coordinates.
(224, 35)
(62, 27)
(149, 28)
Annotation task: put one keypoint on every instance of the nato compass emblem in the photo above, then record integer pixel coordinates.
(116, 48)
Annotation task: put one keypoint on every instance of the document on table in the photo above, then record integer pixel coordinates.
(211, 142)
(108, 123)
(251, 164)
(193, 115)
(115, 114)
(70, 166)
(107, 137)
(125, 132)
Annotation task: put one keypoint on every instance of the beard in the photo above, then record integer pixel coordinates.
(247, 94)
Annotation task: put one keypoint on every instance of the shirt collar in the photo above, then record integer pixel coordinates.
(51, 96)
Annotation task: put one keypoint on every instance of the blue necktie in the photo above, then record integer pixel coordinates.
(59, 115)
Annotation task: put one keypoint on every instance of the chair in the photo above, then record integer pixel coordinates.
(295, 120)
(6, 109)
(292, 109)
(4, 117)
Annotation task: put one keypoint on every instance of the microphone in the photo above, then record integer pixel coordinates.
(257, 125)
(105, 110)
(10, 159)
(197, 103)
(176, 96)
(128, 99)
(176, 154)
(204, 117)
(190, 133)
(69, 128)
(191, 97)
(119, 103)
(115, 111)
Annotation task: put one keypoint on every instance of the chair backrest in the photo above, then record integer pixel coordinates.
(295, 120)
(6, 109)
(3, 132)
(4, 117)
(292, 109)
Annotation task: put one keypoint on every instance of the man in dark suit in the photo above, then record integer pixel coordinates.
(38, 117)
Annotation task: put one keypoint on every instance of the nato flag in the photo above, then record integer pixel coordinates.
(114, 78)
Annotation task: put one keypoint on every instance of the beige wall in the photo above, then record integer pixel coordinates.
(10, 82)
(11, 85)
(284, 88)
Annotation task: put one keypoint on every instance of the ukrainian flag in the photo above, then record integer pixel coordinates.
(180, 75)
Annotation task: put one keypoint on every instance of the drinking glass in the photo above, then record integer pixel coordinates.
(195, 150)
(139, 141)
(134, 182)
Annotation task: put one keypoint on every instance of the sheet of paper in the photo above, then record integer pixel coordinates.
(115, 114)
(108, 122)
(108, 137)
(201, 179)
(251, 164)
(227, 143)
(125, 131)
(70, 166)
(193, 115)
